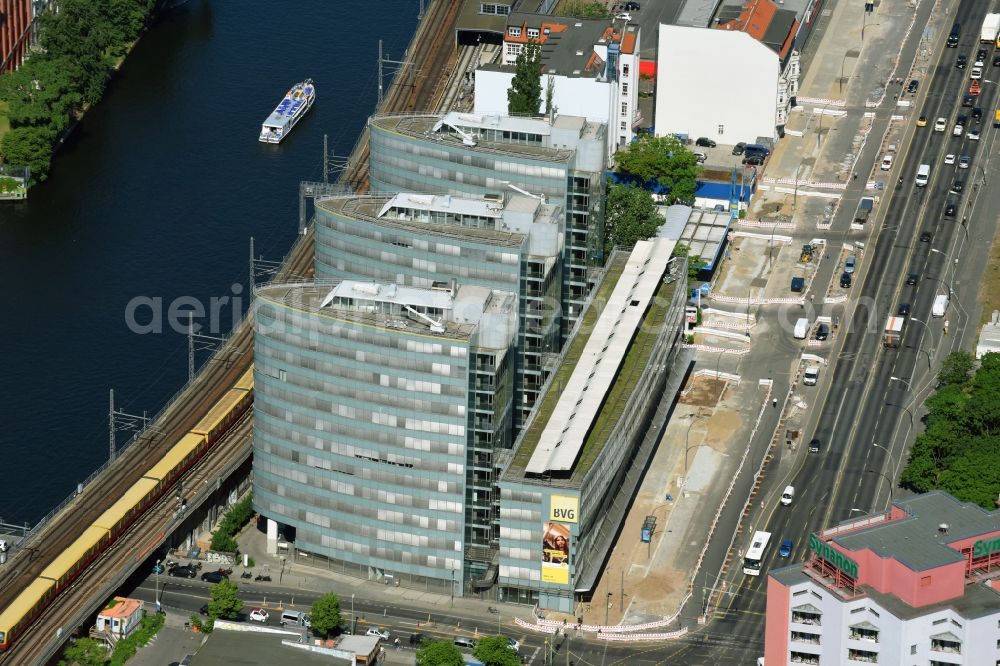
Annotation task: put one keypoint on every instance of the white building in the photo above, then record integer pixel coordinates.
(720, 84)
(590, 66)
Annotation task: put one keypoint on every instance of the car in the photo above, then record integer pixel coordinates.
(259, 615)
(886, 162)
(700, 156)
(204, 609)
(815, 445)
(705, 142)
(798, 284)
(513, 645)
(925, 237)
(940, 124)
(903, 309)
(464, 643)
(962, 120)
(979, 63)
(785, 550)
(214, 577)
(996, 61)
(963, 162)
(976, 73)
(624, 16)
(753, 160)
(949, 158)
(912, 278)
(158, 568)
(922, 121)
(4, 546)
(740, 148)
(850, 264)
(378, 633)
(631, 6)
(845, 280)
(957, 187)
(961, 62)
(417, 638)
(977, 113)
(183, 572)
(981, 54)
(950, 208)
(912, 87)
(811, 375)
(968, 101)
(973, 135)
(958, 131)
(822, 332)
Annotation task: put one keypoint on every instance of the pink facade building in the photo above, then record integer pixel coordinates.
(917, 585)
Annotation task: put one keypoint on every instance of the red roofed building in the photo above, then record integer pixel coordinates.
(120, 618)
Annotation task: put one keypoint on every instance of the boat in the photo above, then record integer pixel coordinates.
(289, 112)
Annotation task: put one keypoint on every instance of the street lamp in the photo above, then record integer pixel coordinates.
(879, 446)
(452, 588)
(943, 254)
(900, 379)
(687, 439)
(930, 334)
(887, 479)
(156, 593)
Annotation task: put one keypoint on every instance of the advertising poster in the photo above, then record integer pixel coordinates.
(555, 554)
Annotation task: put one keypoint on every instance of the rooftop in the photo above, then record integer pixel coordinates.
(585, 396)
(696, 13)
(121, 607)
(763, 20)
(249, 648)
(915, 540)
(569, 46)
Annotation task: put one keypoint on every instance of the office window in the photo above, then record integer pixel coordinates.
(513, 31)
(625, 88)
(624, 108)
(722, 129)
(625, 69)
(913, 648)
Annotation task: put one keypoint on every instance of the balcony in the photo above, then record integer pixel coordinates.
(864, 656)
(946, 645)
(801, 617)
(803, 658)
(805, 637)
(864, 632)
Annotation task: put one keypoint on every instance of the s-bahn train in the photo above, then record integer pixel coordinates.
(63, 570)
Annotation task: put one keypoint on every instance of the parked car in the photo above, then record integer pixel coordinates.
(214, 577)
(705, 142)
(417, 639)
(204, 609)
(631, 6)
(850, 264)
(513, 645)
(259, 615)
(798, 284)
(624, 16)
(753, 160)
(378, 633)
(740, 148)
(845, 280)
(912, 87)
(886, 162)
(183, 572)
(811, 375)
(700, 156)
(822, 332)
(785, 550)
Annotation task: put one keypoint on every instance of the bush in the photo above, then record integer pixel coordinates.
(127, 647)
(238, 515)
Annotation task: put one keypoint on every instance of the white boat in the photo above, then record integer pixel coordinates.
(287, 114)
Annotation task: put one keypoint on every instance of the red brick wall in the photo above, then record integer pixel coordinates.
(15, 24)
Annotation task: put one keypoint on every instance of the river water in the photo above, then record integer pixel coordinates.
(155, 197)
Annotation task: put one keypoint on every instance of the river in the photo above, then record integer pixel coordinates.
(155, 196)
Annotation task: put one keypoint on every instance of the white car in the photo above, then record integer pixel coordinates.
(513, 645)
(976, 73)
(700, 156)
(949, 159)
(958, 131)
(940, 124)
(378, 633)
(624, 16)
(259, 615)
(3, 546)
(973, 135)
(886, 162)
(811, 375)
(963, 162)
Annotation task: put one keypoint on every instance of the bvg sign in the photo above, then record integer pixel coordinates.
(985, 547)
(564, 509)
(833, 556)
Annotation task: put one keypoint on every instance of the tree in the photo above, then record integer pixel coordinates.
(225, 602)
(666, 161)
(30, 147)
(630, 215)
(439, 653)
(325, 615)
(525, 94)
(957, 368)
(495, 651)
(84, 652)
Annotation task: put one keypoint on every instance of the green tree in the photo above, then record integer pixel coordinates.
(695, 263)
(31, 147)
(439, 653)
(325, 615)
(581, 9)
(225, 602)
(957, 368)
(495, 651)
(630, 215)
(84, 652)
(663, 159)
(525, 94)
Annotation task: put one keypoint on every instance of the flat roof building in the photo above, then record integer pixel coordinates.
(565, 486)
(379, 410)
(508, 242)
(560, 160)
(917, 584)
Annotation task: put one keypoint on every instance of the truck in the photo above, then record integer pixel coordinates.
(991, 26)
(940, 305)
(996, 118)
(864, 210)
(893, 331)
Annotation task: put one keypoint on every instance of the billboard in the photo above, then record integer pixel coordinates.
(564, 509)
(555, 553)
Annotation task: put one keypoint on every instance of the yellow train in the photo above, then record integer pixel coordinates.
(153, 484)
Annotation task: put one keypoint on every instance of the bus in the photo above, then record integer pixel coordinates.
(755, 553)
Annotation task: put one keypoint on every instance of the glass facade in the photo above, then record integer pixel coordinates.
(375, 436)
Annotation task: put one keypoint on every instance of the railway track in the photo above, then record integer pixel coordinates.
(431, 59)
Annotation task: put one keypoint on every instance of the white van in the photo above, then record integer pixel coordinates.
(801, 329)
(811, 375)
(923, 175)
(940, 305)
(788, 495)
(295, 619)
